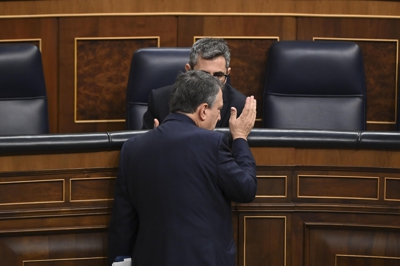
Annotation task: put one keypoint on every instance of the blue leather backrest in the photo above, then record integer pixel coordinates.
(151, 68)
(315, 85)
(23, 98)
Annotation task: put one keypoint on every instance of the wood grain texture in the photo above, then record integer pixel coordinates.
(104, 97)
(289, 231)
(102, 74)
(354, 7)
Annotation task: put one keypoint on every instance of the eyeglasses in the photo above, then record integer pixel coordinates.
(219, 75)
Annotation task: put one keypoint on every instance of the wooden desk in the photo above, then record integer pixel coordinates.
(314, 206)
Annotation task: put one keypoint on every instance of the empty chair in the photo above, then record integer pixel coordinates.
(23, 98)
(315, 85)
(151, 68)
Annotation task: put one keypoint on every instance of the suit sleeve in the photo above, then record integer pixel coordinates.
(237, 171)
(149, 115)
(124, 219)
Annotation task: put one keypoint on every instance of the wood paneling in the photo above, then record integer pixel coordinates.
(32, 192)
(92, 189)
(101, 76)
(337, 187)
(264, 240)
(355, 7)
(316, 208)
(107, 28)
(73, 248)
(341, 245)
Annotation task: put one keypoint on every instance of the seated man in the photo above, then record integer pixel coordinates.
(210, 55)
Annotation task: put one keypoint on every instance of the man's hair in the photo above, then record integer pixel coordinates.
(209, 48)
(191, 89)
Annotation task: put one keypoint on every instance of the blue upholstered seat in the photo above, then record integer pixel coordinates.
(151, 68)
(23, 97)
(315, 85)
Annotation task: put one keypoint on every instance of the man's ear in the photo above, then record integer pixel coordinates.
(228, 71)
(201, 111)
(187, 67)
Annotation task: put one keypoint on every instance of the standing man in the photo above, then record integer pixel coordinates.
(176, 182)
(210, 55)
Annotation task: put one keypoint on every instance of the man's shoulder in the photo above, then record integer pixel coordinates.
(235, 98)
(234, 93)
(162, 91)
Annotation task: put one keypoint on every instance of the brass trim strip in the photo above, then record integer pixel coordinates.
(364, 256)
(24, 262)
(264, 217)
(36, 202)
(206, 14)
(76, 72)
(87, 178)
(195, 38)
(397, 71)
(25, 40)
(333, 176)
(48, 229)
(352, 225)
(274, 196)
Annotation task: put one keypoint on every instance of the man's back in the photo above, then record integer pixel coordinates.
(179, 180)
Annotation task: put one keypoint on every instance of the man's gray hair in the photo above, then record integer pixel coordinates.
(209, 48)
(191, 89)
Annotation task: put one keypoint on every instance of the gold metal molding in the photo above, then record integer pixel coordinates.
(76, 71)
(265, 217)
(334, 176)
(27, 262)
(206, 14)
(385, 189)
(24, 40)
(36, 181)
(396, 41)
(91, 179)
(364, 256)
(195, 38)
(274, 196)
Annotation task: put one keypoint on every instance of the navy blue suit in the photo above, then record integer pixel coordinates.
(158, 105)
(173, 195)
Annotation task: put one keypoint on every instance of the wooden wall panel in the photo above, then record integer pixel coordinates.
(342, 245)
(101, 77)
(32, 192)
(71, 248)
(355, 7)
(327, 187)
(335, 219)
(46, 31)
(379, 41)
(263, 241)
(107, 28)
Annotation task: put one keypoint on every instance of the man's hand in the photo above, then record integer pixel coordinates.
(156, 123)
(240, 127)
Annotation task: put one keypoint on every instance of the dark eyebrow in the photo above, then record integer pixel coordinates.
(220, 73)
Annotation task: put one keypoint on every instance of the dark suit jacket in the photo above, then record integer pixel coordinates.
(173, 196)
(158, 105)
